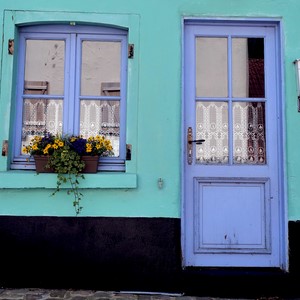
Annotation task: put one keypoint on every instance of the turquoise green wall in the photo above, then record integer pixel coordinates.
(154, 96)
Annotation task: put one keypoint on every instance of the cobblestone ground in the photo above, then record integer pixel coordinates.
(41, 294)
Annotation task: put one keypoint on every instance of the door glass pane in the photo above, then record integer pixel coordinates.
(212, 126)
(248, 74)
(40, 116)
(101, 118)
(45, 60)
(211, 67)
(249, 142)
(100, 67)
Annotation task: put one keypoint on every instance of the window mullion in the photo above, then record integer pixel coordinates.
(70, 75)
(77, 83)
(230, 111)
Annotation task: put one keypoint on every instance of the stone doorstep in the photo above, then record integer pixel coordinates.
(49, 294)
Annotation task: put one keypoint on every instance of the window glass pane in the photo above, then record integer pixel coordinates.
(212, 126)
(248, 75)
(249, 134)
(45, 61)
(101, 65)
(211, 67)
(40, 116)
(101, 118)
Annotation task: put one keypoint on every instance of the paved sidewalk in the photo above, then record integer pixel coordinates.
(44, 294)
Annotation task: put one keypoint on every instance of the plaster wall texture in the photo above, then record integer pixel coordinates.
(154, 99)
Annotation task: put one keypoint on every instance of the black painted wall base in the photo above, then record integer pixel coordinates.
(129, 254)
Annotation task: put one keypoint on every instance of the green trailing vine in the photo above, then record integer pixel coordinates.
(73, 180)
(68, 165)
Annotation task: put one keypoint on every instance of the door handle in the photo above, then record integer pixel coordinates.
(198, 142)
(189, 146)
(190, 142)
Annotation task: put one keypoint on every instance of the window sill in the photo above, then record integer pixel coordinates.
(17, 179)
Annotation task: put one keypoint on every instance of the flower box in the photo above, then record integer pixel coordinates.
(40, 164)
(91, 164)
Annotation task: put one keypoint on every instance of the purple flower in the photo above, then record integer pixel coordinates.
(79, 145)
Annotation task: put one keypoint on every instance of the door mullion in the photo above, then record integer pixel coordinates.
(230, 116)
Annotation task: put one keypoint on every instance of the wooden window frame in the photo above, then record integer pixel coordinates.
(69, 33)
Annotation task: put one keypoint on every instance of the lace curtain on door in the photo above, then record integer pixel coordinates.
(248, 132)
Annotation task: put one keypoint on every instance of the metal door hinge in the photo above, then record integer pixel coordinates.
(11, 44)
(130, 50)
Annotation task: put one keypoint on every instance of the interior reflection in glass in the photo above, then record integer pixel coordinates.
(211, 67)
(248, 75)
(101, 64)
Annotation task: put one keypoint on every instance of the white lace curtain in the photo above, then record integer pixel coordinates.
(248, 129)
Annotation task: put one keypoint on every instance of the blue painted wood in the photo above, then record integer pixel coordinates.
(73, 37)
(232, 214)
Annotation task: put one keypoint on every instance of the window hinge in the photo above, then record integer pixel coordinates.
(128, 151)
(130, 50)
(11, 43)
(5, 148)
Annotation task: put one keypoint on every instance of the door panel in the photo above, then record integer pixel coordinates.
(225, 203)
(231, 205)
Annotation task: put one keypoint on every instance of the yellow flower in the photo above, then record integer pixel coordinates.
(94, 144)
(25, 150)
(88, 148)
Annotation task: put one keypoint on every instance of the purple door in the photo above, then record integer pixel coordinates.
(233, 212)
